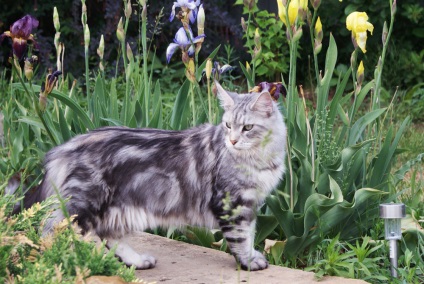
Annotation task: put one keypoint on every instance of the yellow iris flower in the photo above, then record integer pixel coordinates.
(357, 22)
(293, 10)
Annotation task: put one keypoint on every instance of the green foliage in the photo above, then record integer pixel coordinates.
(333, 261)
(60, 257)
(367, 260)
(339, 169)
(273, 59)
(412, 101)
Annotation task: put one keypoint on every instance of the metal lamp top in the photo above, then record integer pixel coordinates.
(392, 210)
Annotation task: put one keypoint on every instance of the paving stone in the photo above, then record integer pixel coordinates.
(179, 262)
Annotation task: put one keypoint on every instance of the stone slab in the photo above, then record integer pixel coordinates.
(179, 262)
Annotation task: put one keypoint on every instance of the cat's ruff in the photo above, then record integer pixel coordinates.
(120, 179)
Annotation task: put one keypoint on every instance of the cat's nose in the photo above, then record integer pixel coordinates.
(233, 142)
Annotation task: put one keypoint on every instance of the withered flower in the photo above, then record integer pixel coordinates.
(29, 67)
(47, 88)
(275, 89)
(20, 33)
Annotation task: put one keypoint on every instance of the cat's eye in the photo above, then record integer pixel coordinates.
(247, 127)
(228, 125)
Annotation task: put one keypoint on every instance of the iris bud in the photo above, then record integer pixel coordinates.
(318, 30)
(208, 68)
(56, 21)
(257, 39)
(385, 33)
(101, 49)
(243, 24)
(28, 69)
(201, 20)
(84, 13)
(249, 4)
(120, 34)
(190, 69)
(86, 37)
(360, 73)
(128, 9)
(130, 54)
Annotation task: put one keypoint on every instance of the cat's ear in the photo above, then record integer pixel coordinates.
(263, 103)
(224, 97)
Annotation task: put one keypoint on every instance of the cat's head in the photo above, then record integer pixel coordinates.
(250, 120)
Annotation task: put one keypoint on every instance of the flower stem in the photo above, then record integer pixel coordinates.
(250, 50)
(87, 71)
(145, 75)
(311, 32)
(376, 98)
(193, 106)
(37, 109)
(209, 101)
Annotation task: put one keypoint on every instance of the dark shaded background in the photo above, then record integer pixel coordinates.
(404, 60)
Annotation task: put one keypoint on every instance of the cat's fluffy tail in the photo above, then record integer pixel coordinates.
(31, 196)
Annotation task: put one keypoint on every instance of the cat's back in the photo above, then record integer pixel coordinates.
(114, 152)
(112, 140)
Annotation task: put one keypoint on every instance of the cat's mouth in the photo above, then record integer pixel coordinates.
(238, 146)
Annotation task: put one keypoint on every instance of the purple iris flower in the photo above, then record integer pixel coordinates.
(221, 69)
(20, 33)
(184, 41)
(188, 6)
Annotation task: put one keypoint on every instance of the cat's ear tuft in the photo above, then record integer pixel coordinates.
(224, 97)
(263, 103)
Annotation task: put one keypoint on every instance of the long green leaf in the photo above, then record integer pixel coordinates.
(362, 94)
(64, 128)
(247, 75)
(113, 101)
(34, 121)
(156, 120)
(330, 64)
(400, 173)
(138, 113)
(98, 101)
(381, 168)
(180, 104)
(75, 107)
(359, 126)
(265, 225)
(65, 100)
(337, 96)
(112, 122)
(322, 216)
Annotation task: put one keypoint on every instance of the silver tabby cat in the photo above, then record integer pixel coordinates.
(120, 179)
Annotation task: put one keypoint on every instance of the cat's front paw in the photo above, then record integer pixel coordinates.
(142, 261)
(256, 262)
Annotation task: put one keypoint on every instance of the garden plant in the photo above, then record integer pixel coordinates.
(345, 149)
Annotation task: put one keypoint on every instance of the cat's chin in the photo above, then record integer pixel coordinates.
(238, 148)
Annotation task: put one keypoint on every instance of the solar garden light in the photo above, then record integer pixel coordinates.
(392, 213)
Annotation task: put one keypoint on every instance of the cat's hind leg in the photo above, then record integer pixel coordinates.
(129, 256)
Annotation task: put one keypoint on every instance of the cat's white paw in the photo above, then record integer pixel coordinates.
(131, 257)
(256, 262)
(142, 261)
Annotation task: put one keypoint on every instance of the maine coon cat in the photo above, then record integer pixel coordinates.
(120, 179)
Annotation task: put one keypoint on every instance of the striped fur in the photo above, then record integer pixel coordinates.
(120, 179)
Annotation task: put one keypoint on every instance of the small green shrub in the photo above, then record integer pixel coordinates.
(60, 257)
